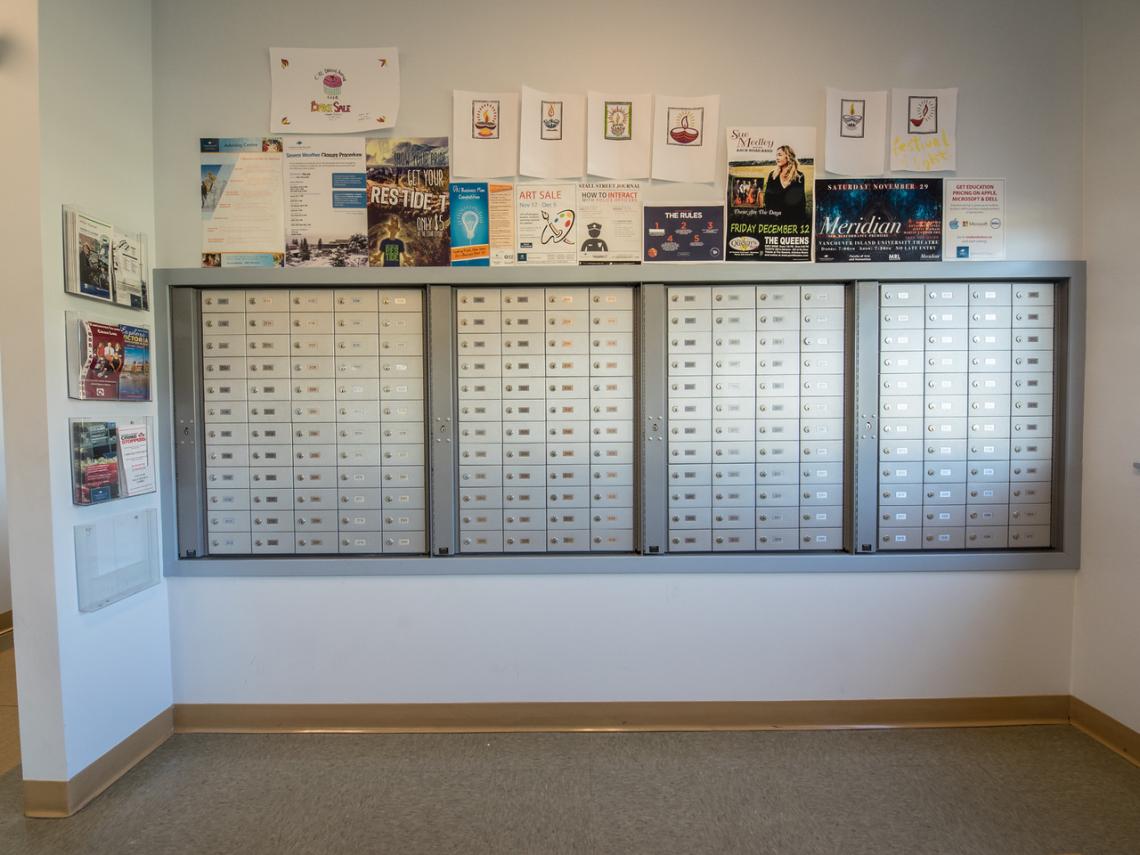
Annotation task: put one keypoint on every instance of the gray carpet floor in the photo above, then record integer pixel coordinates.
(1006, 791)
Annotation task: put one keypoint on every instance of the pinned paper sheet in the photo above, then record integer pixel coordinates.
(686, 137)
(856, 132)
(547, 223)
(485, 134)
(333, 91)
(552, 134)
(924, 130)
(619, 129)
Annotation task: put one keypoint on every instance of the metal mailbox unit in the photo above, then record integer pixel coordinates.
(774, 417)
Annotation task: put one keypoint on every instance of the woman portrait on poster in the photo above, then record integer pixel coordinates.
(785, 190)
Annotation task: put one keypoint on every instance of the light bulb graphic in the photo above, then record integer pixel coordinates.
(470, 221)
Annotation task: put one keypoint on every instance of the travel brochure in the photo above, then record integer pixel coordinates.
(108, 361)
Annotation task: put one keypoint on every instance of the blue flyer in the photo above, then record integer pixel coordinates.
(470, 228)
(878, 219)
(684, 232)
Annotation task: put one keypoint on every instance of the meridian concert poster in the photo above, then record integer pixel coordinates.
(409, 212)
(878, 219)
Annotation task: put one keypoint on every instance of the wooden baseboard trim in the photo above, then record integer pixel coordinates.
(1105, 729)
(5, 621)
(57, 799)
(619, 716)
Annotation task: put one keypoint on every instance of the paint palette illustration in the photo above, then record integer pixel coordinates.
(558, 227)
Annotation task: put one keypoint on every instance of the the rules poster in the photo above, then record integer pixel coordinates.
(683, 232)
(878, 219)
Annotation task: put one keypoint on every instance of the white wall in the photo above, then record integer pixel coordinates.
(5, 565)
(1018, 101)
(24, 389)
(596, 637)
(85, 681)
(1107, 641)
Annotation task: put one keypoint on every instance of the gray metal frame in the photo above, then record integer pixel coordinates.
(440, 441)
(653, 410)
(178, 340)
(864, 480)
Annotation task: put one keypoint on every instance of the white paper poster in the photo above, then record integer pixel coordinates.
(924, 130)
(856, 132)
(552, 134)
(243, 207)
(609, 214)
(131, 272)
(501, 214)
(619, 134)
(326, 221)
(137, 473)
(686, 137)
(973, 219)
(484, 134)
(547, 223)
(334, 90)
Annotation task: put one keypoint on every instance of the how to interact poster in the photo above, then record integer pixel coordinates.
(552, 134)
(856, 131)
(333, 91)
(547, 218)
(683, 232)
(878, 219)
(409, 207)
(924, 130)
(243, 221)
(620, 131)
(686, 137)
(326, 222)
(771, 175)
(974, 219)
(484, 134)
(610, 218)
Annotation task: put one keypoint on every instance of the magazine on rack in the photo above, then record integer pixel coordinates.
(134, 379)
(95, 461)
(107, 361)
(87, 246)
(99, 348)
(130, 275)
